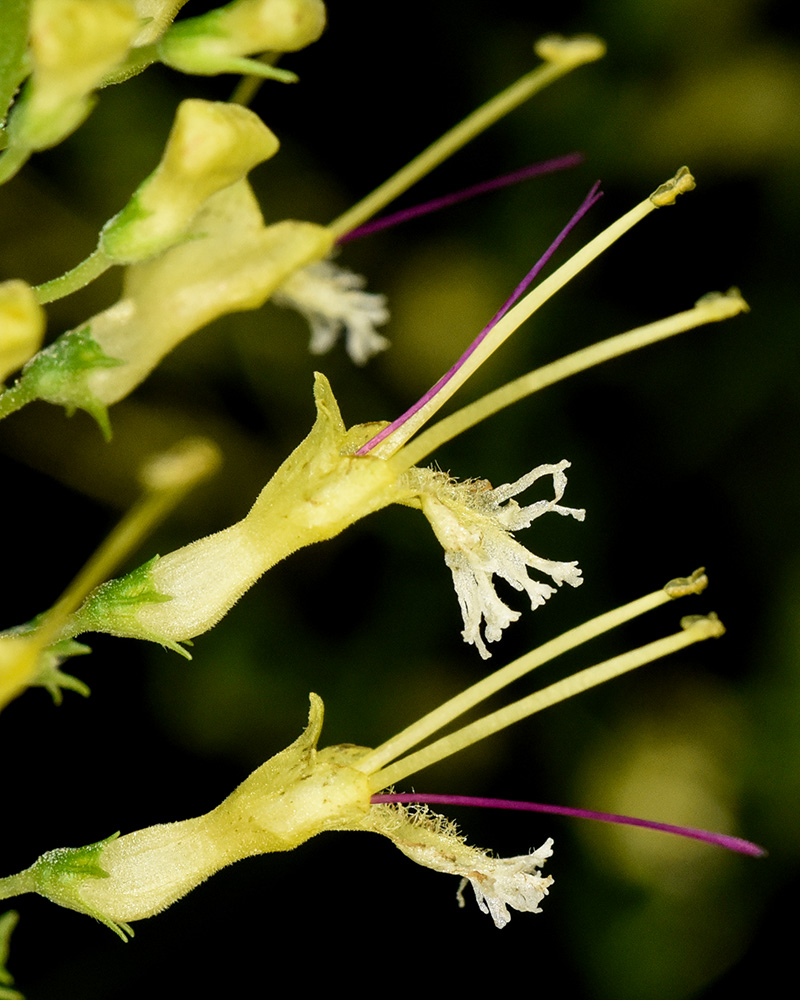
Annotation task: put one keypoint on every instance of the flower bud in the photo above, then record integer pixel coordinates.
(188, 462)
(218, 41)
(211, 146)
(74, 44)
(319, 490)
(21, 325)
(228, 261)
(234, 263)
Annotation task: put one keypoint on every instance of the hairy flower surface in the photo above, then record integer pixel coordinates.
(502, 882)
(499, 883)
(338, 475)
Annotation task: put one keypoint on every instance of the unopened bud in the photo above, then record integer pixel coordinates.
(21, 325)
(74, 44)
(188, 462)
(211, 146)
(217, 42)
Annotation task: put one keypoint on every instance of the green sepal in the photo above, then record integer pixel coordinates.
(50, 659)
(242, 66)
(49, 675)
(126, 592)
(131, 215)
(64, 864)
(58, 875)
(59, 374)
(121, 599)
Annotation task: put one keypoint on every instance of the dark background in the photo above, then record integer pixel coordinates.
(685, 454)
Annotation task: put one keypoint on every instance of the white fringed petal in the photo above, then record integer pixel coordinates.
(474, 527)
(501, 883)
(332, 300)
(434, 842)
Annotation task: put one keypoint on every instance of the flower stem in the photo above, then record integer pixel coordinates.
(14, 398)
(80, 276)
(167, 477)
(561, 56)
(15, 885)
(12, 160)
(693, 630)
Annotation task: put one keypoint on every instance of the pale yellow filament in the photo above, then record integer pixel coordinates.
(444, 714)
(694, 630)
(710, 309)
(561, 57)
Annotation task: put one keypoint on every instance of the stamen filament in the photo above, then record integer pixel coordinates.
(562, 56)
(510, 322)
(712, 308)
(78, 277)
(445, 201)
(445, 387)
(694, 630)
(452, 709)
(718, 839)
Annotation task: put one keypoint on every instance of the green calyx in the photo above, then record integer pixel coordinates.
(50, 675)
(59, 875)
(60, 374)
(113, 607)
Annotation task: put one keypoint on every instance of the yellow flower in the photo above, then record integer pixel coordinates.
(303, 791)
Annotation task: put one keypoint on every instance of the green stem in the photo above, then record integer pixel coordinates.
(15, 885)
(15, 398)
(137, 61)
(80, 276)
